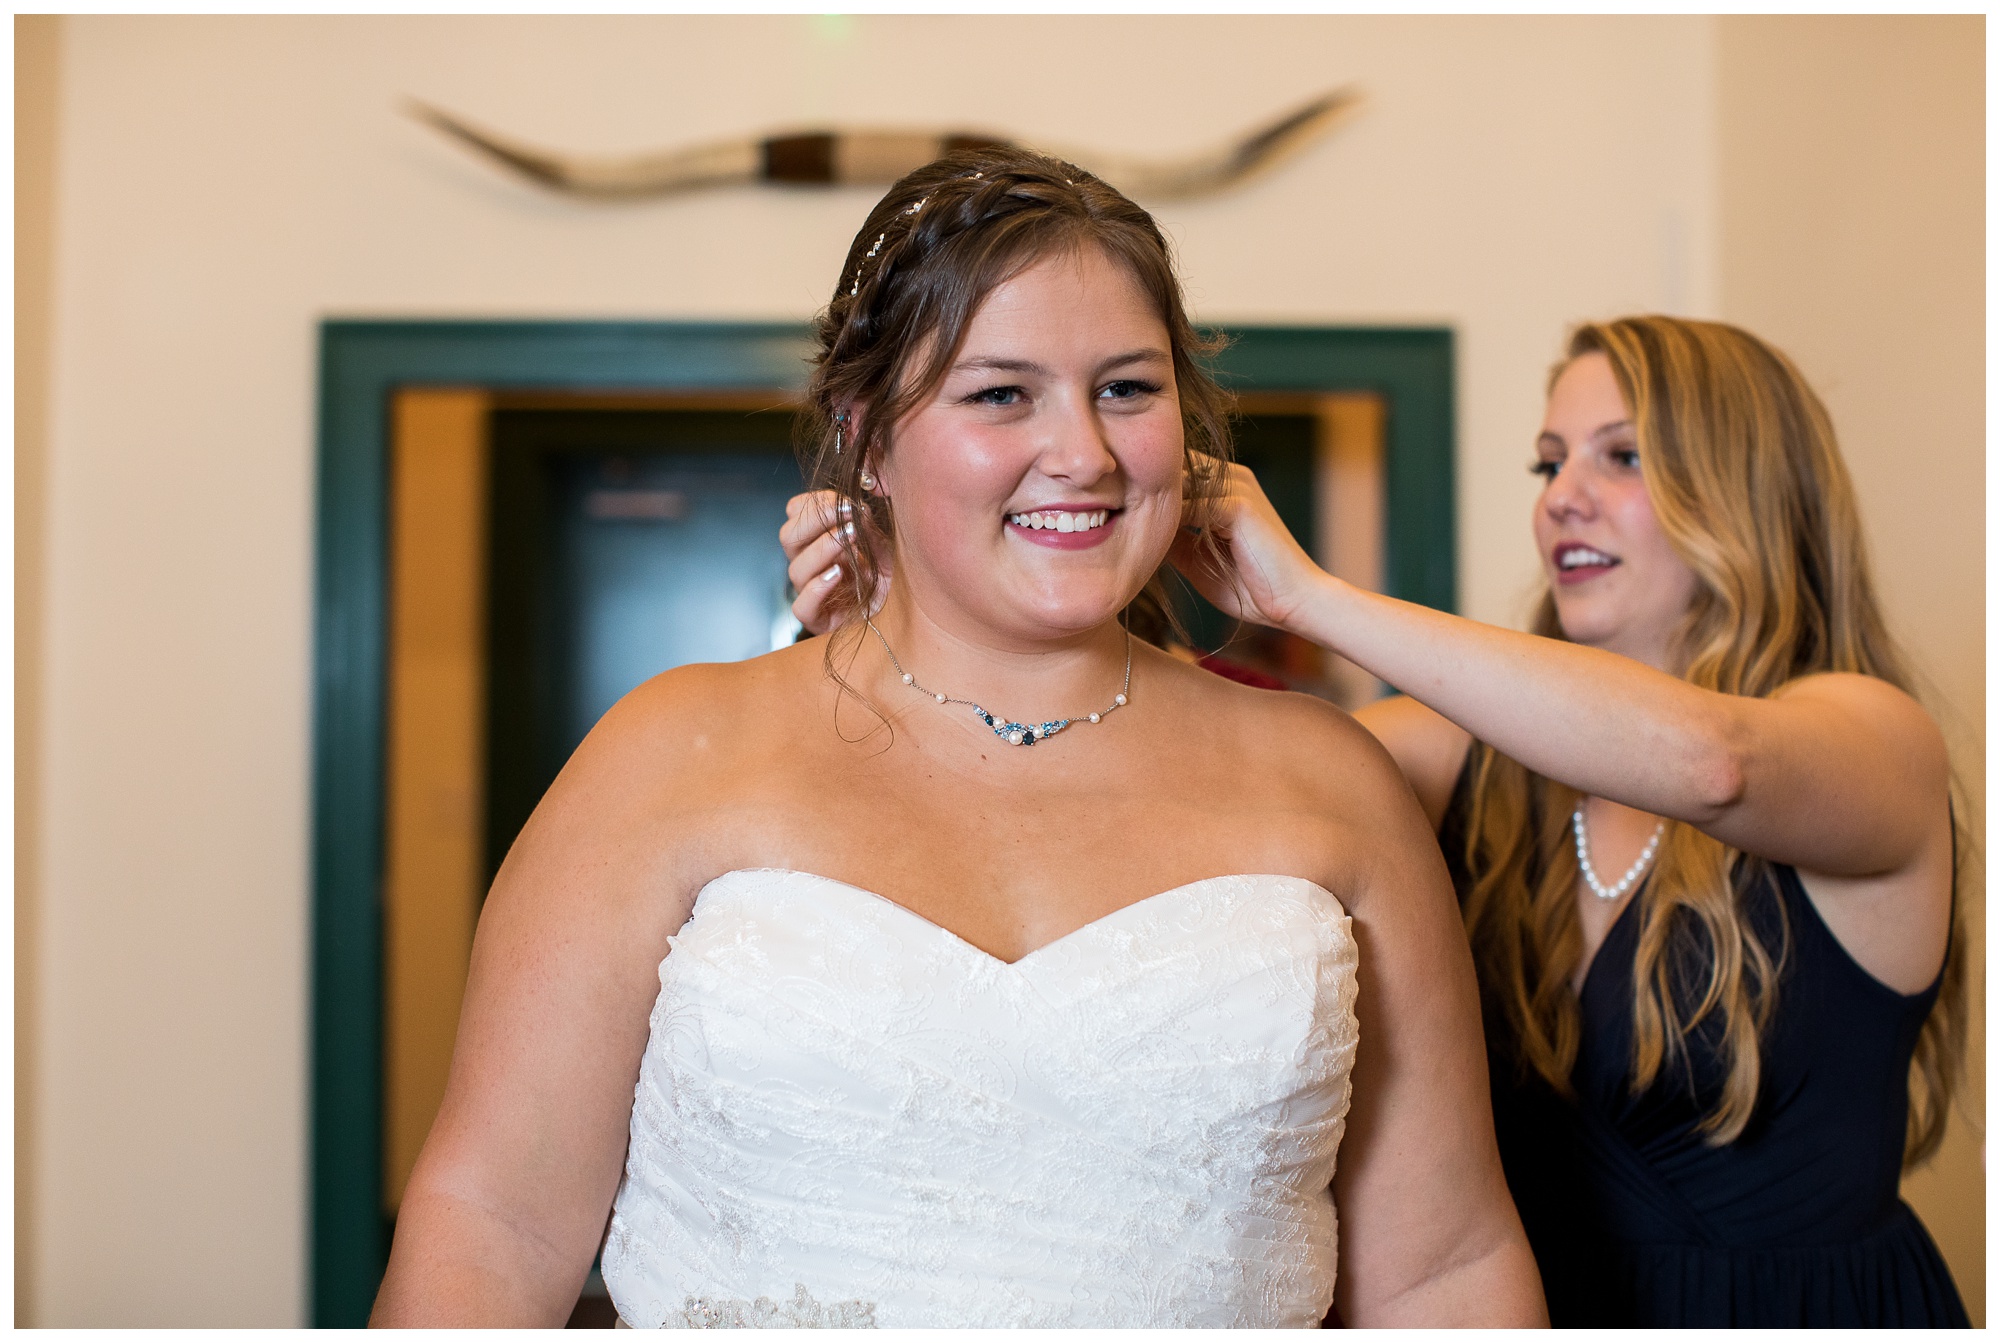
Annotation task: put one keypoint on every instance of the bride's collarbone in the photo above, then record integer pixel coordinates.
(1020, 872)
(959, 824)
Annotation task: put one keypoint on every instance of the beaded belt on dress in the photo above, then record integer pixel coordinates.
(802, 1311)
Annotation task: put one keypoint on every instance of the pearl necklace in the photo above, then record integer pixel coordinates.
(1014, 734)
(1623, 883)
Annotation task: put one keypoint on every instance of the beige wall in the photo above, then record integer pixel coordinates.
(226, 182)
(1853, 232)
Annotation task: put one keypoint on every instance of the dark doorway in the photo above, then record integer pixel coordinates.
(623, 543)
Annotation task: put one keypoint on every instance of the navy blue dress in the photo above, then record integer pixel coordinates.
(1637, 1221)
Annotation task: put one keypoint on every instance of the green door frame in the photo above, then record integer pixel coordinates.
(361, 366)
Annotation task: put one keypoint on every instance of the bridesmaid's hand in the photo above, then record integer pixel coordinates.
(812, 554)
(1265, 575)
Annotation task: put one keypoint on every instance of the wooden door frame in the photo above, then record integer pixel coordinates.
(361, 366)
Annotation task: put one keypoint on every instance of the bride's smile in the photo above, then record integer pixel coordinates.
(1040, 484)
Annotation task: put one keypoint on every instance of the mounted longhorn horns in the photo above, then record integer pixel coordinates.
(879, 157)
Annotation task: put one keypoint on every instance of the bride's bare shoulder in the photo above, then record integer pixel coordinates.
(703, 706)
(1329, 798)
(1302, 744)
(646, 784)
(680, 740)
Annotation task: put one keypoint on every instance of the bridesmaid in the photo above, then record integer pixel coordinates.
(1702, 837)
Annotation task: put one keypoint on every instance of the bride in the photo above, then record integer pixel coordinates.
(1002, 969)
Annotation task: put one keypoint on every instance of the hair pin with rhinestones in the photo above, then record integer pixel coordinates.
(862, 269)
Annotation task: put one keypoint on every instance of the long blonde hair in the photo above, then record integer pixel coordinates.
(1741, 466)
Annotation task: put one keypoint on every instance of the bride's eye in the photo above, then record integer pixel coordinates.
(1129, 389)
(997, 396)
(1545, 467)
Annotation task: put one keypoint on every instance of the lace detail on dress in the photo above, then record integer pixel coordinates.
(1135, 1125)
(801, 1312)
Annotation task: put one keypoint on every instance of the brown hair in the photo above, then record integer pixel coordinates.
(1743, 472)
(933, 248)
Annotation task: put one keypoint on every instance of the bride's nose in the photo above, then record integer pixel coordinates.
(1076, 447)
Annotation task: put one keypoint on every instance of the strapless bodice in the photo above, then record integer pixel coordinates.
(846, 1115)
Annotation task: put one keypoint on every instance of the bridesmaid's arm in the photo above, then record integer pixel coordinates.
(1842, 776)
(1835, 773)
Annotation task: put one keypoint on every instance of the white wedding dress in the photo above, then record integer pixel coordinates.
(848, 1116)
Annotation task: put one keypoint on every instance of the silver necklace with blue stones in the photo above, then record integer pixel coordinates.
(1015, 734)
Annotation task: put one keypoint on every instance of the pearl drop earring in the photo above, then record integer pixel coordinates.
(867, 482)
